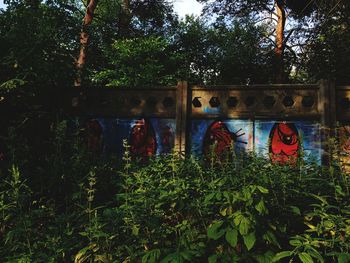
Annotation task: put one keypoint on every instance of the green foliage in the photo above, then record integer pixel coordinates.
(173, 210)
(194, 51)
(139, 62)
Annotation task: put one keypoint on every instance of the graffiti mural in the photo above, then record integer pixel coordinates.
(286, 141)
(220, 136)
(146, 137)
(344, 143)
(142, 139)
(282, 142)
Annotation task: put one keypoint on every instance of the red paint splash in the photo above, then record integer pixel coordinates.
(284, 143)
(142, 139)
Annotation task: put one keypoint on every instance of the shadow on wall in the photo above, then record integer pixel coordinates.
(146, 137)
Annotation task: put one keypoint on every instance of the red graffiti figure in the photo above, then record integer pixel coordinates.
(142, 139)
(167, 139)
(94, 135)
(219, 137)
(284, 143)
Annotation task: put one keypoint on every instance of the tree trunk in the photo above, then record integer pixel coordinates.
(279, 50)
(125, 19)
(84, 40)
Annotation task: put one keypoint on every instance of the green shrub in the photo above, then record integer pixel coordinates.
(243, 209)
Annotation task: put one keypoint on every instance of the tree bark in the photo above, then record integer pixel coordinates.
(125, 19)
(279, 50)
(84, 40)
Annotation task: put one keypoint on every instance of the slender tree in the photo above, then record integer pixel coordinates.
(281, 21)
(84, 40)
(125, 19)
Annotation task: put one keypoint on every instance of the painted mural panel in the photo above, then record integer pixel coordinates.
(146, 137)
(284, 142)
(221, 134)
(344, 143)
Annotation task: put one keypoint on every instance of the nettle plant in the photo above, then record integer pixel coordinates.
(240, 208)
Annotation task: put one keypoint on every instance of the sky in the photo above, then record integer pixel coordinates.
(186, 7)
(181, 7)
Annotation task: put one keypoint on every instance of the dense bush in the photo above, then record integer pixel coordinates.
(92, 209)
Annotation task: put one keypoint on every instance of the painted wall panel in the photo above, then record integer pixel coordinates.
(146, 137)
(204, 132)
(281, 139)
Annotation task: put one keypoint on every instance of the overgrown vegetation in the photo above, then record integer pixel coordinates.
(245, 209)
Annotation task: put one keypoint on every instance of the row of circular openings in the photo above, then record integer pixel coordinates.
(268, 101)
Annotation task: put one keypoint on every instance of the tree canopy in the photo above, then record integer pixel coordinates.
(144, 43)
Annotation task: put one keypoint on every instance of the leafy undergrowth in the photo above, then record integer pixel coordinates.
(173, 210)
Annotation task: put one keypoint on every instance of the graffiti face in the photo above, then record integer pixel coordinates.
(142, 139)
(284, 143)
(219, 137)
(94, 135)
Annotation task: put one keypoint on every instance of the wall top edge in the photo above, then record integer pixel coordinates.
(254, 87)
(116, 89)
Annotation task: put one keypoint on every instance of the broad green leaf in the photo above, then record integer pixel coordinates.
(244, 226)
(238, 218)
(223, 212)
(265, 258)
(312, 227)
(315, 254)
(249, 240)
(263, 189)
(271, 238)
(186, 255)
(339, 190)
(295, 242)
(231, 237)
(305, 257)
(209, 197)
(281, 255)
(321, 198)
(260, 207)
(135, 230)
(214, 231)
